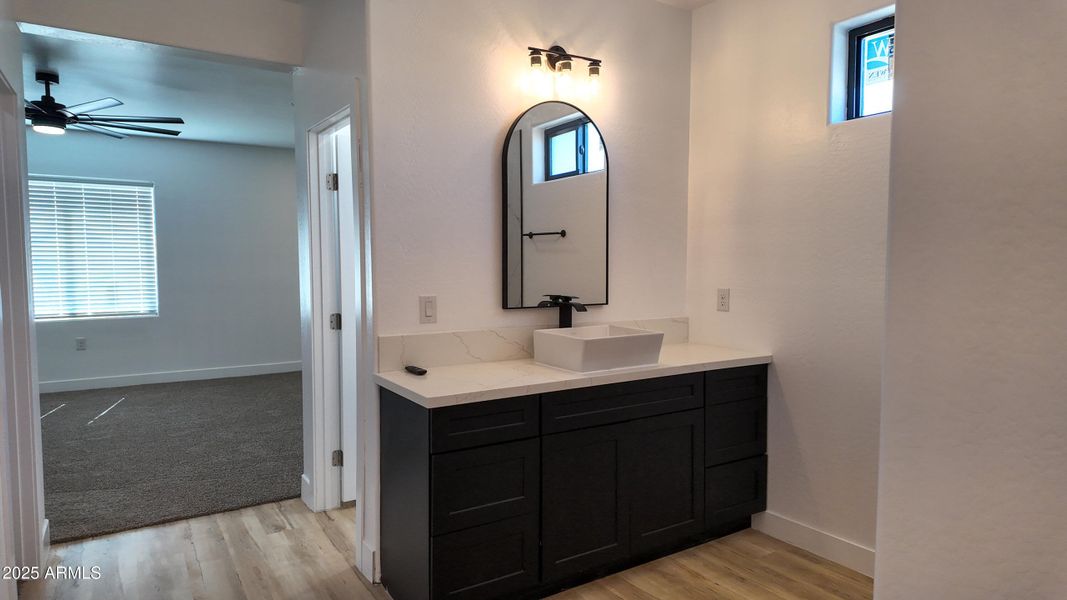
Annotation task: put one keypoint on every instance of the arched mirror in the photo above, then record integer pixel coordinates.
(555, 207)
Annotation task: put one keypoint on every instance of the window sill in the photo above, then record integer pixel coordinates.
(93, 318)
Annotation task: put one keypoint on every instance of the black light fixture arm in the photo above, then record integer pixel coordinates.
(559, 52)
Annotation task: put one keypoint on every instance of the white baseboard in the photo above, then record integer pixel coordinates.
(850, 554)
(307, 494)
(46, 542)
(93, 383)
(369, 565)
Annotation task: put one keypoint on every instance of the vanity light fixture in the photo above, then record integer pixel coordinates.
(560, 61)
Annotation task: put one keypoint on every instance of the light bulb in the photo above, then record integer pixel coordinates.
(592, 87)
(564, 79)
(564, 84)
(49, 129)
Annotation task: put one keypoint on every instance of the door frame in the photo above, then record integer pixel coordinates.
(22, 478)
(323, 490)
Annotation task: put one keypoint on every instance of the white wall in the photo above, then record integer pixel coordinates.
(333, 78)
(790, 214)
(269, 30)
(227, 268)
(11, 73)
(973, 478)
(442, 100)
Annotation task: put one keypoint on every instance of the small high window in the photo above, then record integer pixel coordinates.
(870, 68)
(572, 149)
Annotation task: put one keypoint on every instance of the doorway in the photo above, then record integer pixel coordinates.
(335, 423)
(334, 208)
(165, 283)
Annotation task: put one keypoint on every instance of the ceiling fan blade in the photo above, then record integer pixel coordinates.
(139, 128)
(126, 119)
(95, 105)
(95, 129)
(30, 104)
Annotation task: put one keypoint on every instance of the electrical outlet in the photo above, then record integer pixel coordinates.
(724, 300)
(80, 344)
(427, 309)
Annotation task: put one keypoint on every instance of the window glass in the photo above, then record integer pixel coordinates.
(876, 78)
(563, 153)
(92, 248)
(595, 157)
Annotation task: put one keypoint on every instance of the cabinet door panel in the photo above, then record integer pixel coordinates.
(584, 524)
(735, 430)
(483, 423)
(665, 480)
(736, 490)
(619, 402)
(498, 560)
(730, 385)
(474, 487)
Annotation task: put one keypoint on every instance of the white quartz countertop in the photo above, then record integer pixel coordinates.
(477, 382)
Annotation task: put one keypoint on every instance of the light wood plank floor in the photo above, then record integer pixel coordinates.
(278, 551)
(282, 551)
(744, 566)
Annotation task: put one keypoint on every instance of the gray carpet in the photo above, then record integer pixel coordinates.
(169, 451)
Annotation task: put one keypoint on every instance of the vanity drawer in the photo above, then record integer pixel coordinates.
(730, 385)
(479, 486)
(601, 405)
(734, 431)
(735, 490)
(498, 560)
(484, 423)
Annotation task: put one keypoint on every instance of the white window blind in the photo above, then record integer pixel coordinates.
(93, 248)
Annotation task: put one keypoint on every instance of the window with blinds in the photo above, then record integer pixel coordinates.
(93, 248)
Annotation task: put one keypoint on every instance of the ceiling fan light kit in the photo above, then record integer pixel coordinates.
(52, 118)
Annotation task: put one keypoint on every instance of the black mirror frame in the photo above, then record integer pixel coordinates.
(504, 210)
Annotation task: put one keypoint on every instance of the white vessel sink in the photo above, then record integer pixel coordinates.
(597, 347)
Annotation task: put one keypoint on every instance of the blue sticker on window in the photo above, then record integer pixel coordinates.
(878, 53)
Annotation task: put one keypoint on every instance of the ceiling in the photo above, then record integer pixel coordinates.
(221, 99)
(688, 4)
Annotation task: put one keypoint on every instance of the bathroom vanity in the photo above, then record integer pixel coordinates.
(513, 479)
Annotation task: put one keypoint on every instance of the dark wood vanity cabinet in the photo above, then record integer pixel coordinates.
(521, 497)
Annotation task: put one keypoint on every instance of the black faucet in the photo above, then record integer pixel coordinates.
(565, 304)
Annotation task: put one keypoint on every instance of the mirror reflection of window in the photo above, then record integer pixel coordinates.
(563, 153)
(595, 158)
(573, 148)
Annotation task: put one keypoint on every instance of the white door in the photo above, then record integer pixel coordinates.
(341, 293)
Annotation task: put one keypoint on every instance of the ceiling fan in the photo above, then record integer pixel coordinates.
(50, 117)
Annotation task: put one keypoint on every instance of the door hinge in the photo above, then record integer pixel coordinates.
(338, 458)
(335, 321)
(331, 182)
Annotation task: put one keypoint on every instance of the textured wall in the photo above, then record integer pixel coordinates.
(226, 254)
(442, 102)
(267, 30)
(790, 213)
(973, 478)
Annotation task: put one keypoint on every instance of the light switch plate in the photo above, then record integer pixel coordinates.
(427, 309)
(723, 304)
